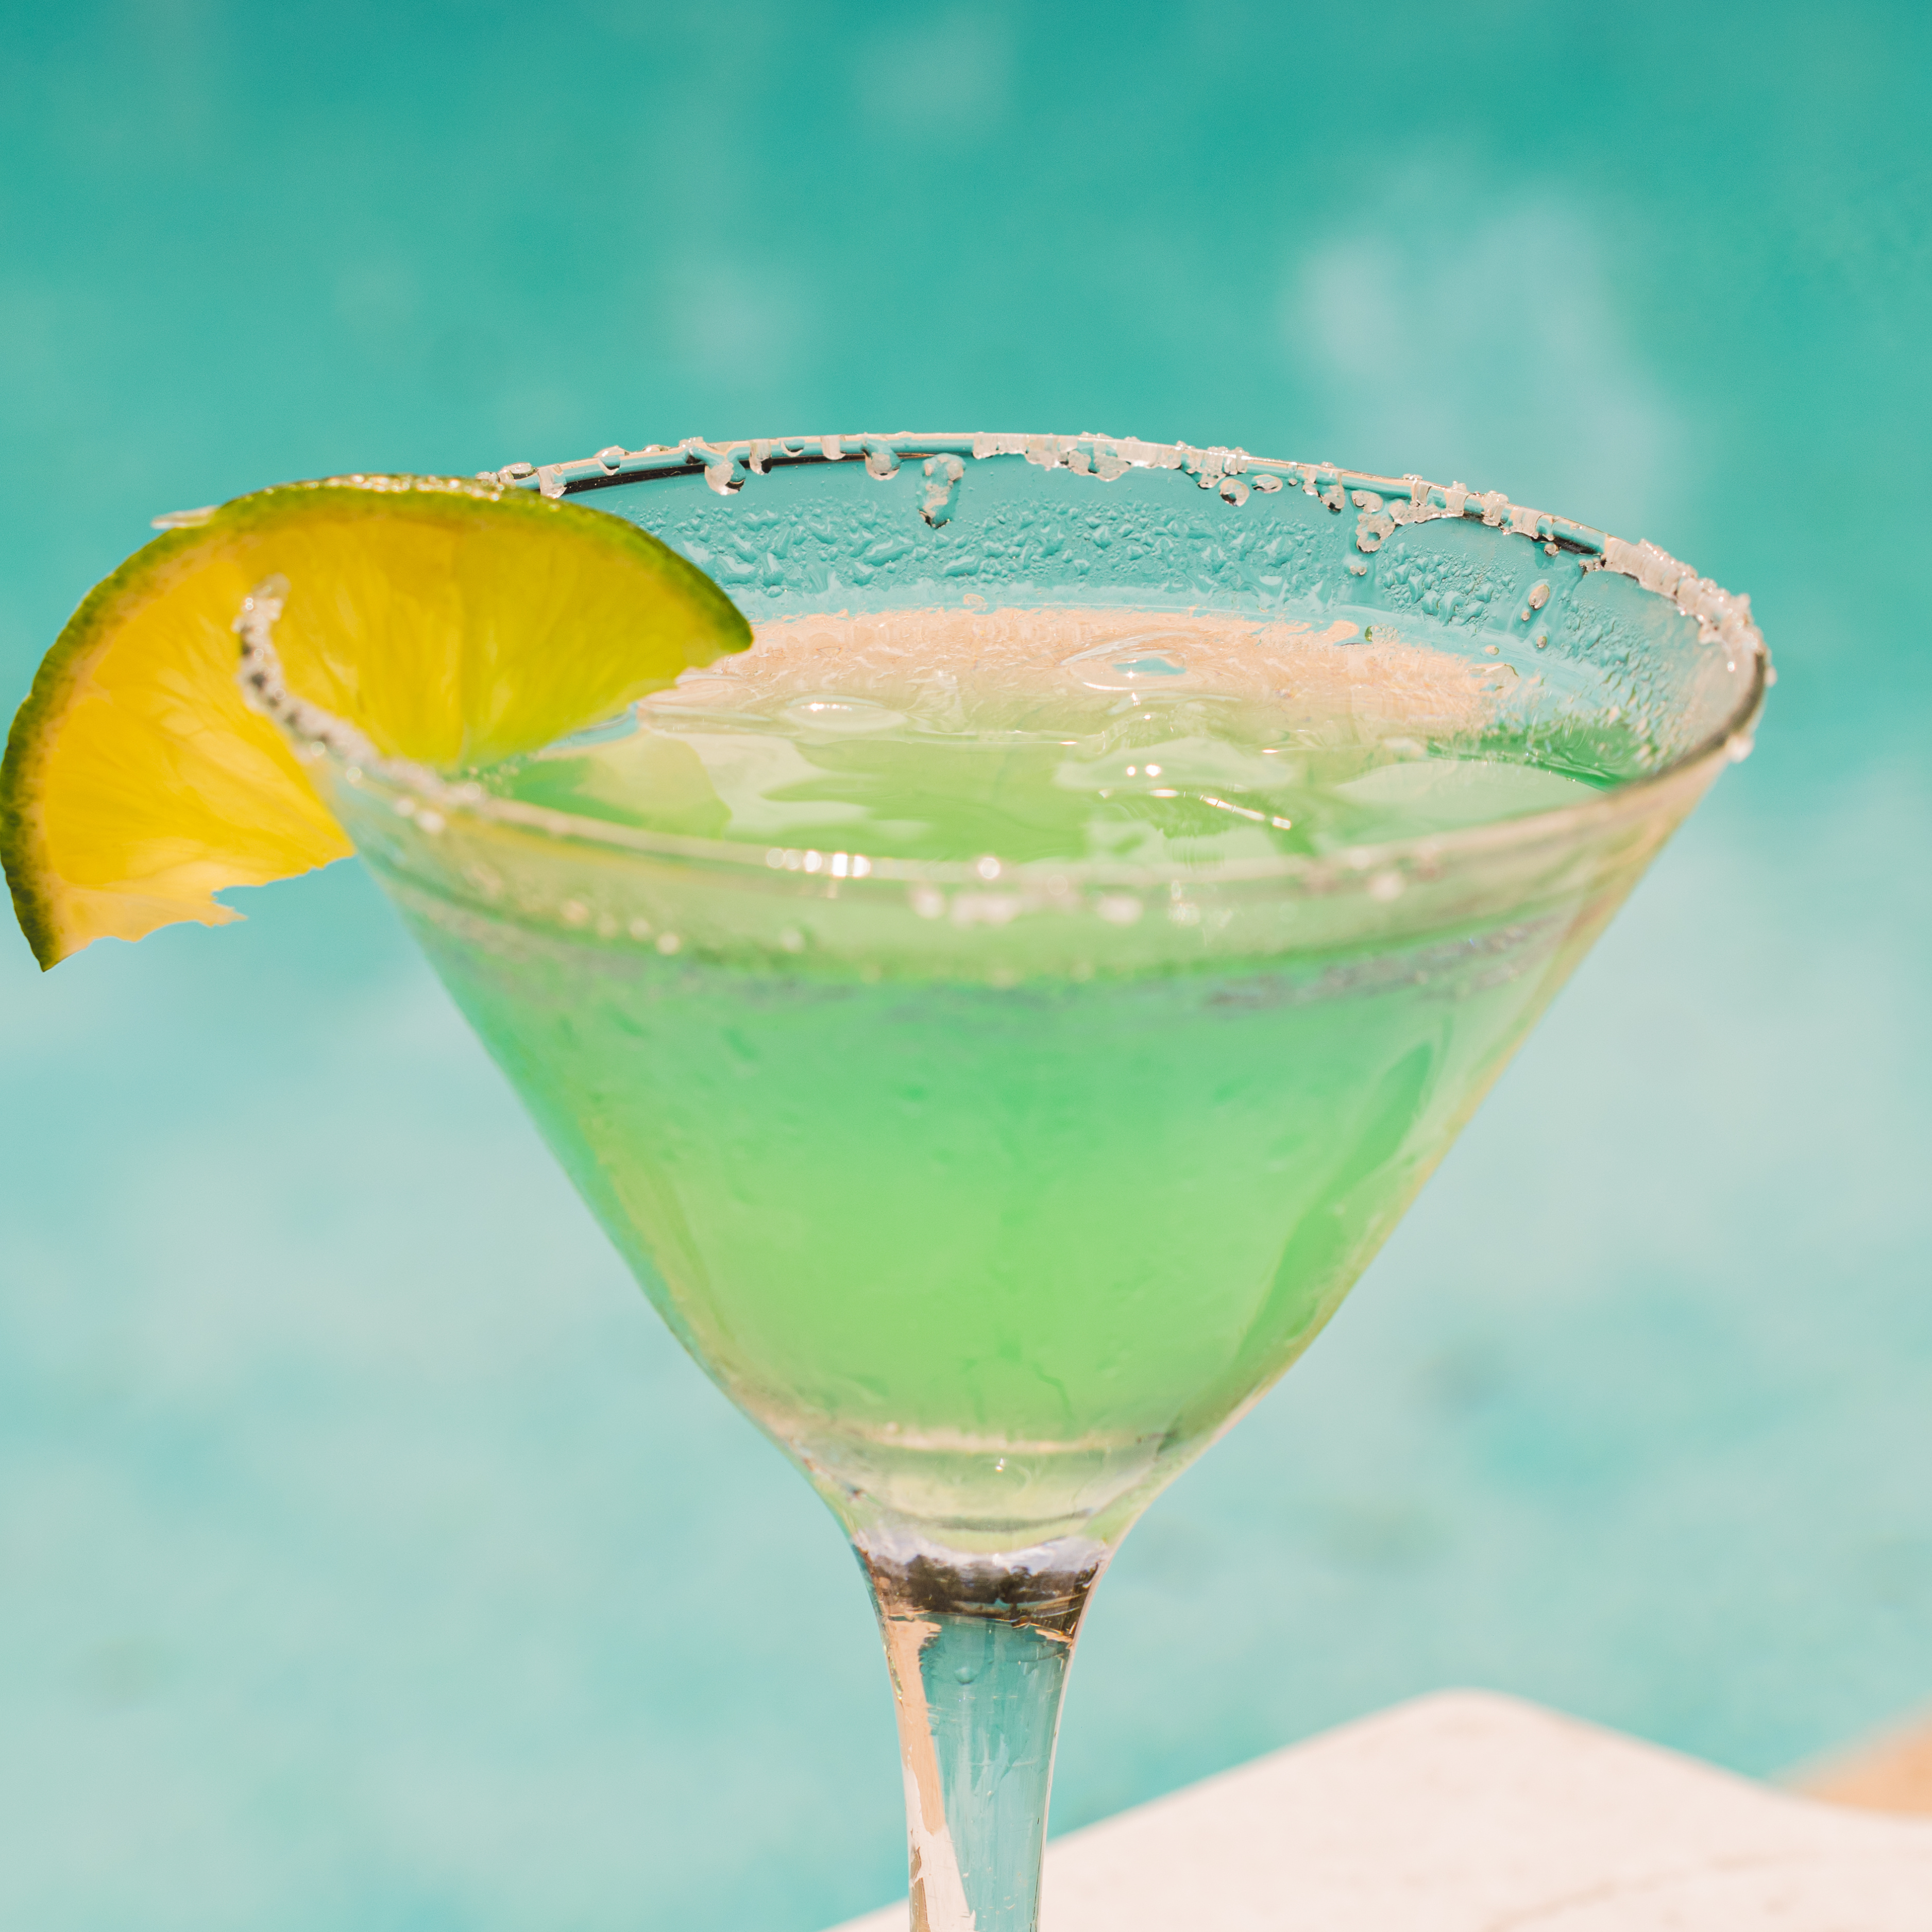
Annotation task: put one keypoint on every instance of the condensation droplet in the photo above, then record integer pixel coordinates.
(943, 474)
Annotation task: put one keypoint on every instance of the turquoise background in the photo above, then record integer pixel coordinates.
(369, 1557)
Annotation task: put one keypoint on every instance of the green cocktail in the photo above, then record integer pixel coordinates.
(997, 1033)
(990, 1254)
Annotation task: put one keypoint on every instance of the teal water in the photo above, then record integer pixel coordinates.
(369, 1557)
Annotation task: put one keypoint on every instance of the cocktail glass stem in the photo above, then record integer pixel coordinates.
(979, 1651)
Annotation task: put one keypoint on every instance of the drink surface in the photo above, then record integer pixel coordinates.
(1040, 736)
(994, 1256)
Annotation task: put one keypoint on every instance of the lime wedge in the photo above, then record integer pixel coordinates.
(454, 621)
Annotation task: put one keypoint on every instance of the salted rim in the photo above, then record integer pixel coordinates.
(1383, 504)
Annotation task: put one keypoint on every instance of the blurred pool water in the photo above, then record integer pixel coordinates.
(369, 1557)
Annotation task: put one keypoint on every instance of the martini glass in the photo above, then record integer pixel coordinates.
(994, 1190)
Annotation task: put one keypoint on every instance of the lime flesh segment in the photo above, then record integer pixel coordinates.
(454, 621)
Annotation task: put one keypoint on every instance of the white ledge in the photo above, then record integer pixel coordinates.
(1467, 1812)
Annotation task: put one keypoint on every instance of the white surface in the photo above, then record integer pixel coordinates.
(1467, 1812)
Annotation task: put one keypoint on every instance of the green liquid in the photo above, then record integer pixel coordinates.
(994, 1254)
(1170, 739)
